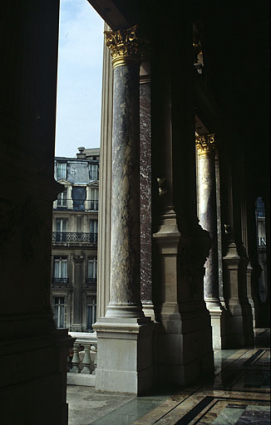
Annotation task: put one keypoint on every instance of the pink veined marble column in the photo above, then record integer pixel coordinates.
(145, 191)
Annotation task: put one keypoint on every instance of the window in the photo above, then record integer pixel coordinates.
(61, 170)
(94, 196)
(262, 256)
(91, 312)
(61, 229)
(93, 230)
(60, 270)
(59, 312)
(92, 270)
(93, 171)
(262, 241)
(62, 199)
(79, 196)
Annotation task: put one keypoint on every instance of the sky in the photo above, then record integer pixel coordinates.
(79, 87)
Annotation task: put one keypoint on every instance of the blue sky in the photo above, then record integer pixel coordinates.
(79, 77)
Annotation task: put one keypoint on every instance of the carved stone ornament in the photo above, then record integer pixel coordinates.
(79, 258)
(126, 46)
(161, 186)
(206, 144)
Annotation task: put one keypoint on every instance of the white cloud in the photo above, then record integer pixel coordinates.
(79, 77)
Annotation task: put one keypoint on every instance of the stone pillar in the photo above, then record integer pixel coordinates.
(245, 272)
(124, 332)
(33, 351)
(145, 191)
(219, 229)
(238, 320)
(206, 147)
(184, 348)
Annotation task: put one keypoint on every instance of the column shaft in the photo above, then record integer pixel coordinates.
(125, 242)
(145, 191)
(207, 206)
(208, 219)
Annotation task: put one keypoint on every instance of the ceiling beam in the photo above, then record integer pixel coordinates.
(115, 16)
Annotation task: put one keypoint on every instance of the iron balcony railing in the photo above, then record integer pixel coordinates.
(59, 280)
(76, 204)
(75, 237)
(91, 280)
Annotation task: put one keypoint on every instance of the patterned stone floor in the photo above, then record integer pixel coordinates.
(238, 395)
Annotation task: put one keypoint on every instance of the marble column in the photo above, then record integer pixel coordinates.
(145, 191)
(125, 230)
(124, 332)
(206, 147)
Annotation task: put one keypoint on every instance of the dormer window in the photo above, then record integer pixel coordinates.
(61, 170)
(93, 171)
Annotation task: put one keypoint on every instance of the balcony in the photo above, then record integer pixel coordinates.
(76, 205)
(74, 238)
(90, 280)
(60, 280)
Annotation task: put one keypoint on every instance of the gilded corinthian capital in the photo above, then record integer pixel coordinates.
(206, 144)
(125, 45)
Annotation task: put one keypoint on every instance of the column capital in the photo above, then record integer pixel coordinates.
(206, 144)
(126, 46)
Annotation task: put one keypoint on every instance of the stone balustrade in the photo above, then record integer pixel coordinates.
(81, 367)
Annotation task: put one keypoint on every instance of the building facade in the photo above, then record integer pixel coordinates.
(74, 241)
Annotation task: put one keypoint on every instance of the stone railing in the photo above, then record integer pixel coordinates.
(82, 365)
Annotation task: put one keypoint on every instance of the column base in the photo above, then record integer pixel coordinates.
(238, 326)
(125, 311)
(217, 314)
(218, 329)
(250, 298)
(148, 310)
(239, 320)
(185, 352)
(125, 355)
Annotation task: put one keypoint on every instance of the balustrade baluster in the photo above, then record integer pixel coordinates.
(75, 359)
(87, 361)
(93, 356)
